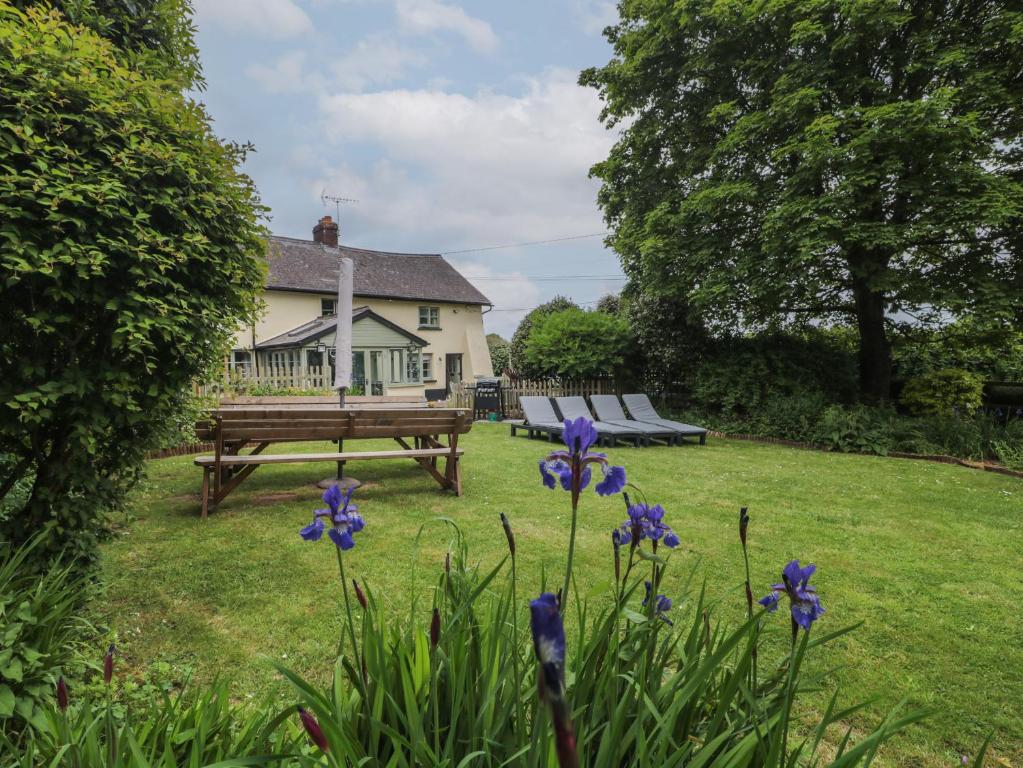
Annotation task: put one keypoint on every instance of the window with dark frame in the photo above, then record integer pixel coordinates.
(328, 307)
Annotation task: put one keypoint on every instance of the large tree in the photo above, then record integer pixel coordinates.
(837, 160)
(130, 249)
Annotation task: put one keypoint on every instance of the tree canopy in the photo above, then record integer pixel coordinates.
(499, 352)
(575, 344)
(785, 161)
(519, 340)
(130, 250)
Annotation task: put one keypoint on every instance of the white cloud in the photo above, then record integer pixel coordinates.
(594, 15)
(375, 60)
(514, 291)
(286, 74)
(489, 168)
(426, 16)
(277, 19)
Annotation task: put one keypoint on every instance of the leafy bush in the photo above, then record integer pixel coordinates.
(40, 628)
(577, 344)
(790, 418)
(500, 352)
(130, 248)
(520, 339)
(989, 346)
(1010, 455)
(943, 393)
(737, 376)
(172, 728)
(854, 430)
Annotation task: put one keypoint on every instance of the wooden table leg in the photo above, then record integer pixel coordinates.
(205, 492)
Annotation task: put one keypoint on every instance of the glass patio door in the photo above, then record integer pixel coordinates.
(359, 370)
(376, 373)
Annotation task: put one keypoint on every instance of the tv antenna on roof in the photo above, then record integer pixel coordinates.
(337, 201)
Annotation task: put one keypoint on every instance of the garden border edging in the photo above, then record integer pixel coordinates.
(934, 457)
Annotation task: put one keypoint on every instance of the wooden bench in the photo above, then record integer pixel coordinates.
(358, 402)
(238, 426)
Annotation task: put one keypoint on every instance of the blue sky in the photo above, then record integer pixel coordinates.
(456, 125)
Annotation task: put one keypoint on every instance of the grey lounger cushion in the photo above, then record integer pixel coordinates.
(539, 412)
(643, 410)
(609, 410)
(575, 407)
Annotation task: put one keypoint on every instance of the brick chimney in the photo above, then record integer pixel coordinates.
(326, 232)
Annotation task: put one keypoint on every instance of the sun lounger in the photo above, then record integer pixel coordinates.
(540, 418)
(609, 410)
(641, 409)
(575, 407)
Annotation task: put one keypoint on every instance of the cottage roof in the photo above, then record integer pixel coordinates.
(305, 265)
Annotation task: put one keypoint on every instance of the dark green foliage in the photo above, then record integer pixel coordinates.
(990, 347)
(575, 344)
(861, 429)
(171, 728)
(500, 352)
(129, 251)
(870, 429)
(787, 160)
(943, 393)
(670, 340)
(740, 376)
(40, 631)
(610, 304)
(644, 692)
(154, 36)
(517, 350)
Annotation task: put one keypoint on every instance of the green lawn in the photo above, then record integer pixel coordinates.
(927, 556)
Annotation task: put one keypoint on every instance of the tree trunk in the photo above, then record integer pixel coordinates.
(875, 353)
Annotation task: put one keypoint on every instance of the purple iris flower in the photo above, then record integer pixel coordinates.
(646, 522)
(579, 434)
(343, 516)
(549, 645)
(805, 605)
(658, 530)
(662, 603)
(577, 462)
(548, 640)
(613, 482)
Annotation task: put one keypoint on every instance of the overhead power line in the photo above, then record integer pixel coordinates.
(530, 309)
(548, 277)
(523, 245)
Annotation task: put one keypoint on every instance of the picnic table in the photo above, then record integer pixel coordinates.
(257, 423)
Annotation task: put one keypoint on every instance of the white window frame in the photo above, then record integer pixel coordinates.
(402, 363)
(426, 367)
(429, 317)
(326, 304)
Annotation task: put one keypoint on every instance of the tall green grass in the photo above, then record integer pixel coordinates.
(642, 692)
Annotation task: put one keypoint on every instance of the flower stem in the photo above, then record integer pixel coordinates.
(571, 554)
(348, 610)
(520, 712)
(755, 631)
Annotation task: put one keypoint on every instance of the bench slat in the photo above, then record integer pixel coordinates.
(440, 414)
(272, 434)
(391, 401)
(440, 425)
(296, 458)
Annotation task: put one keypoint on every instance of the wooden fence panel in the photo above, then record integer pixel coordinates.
(512, 389)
